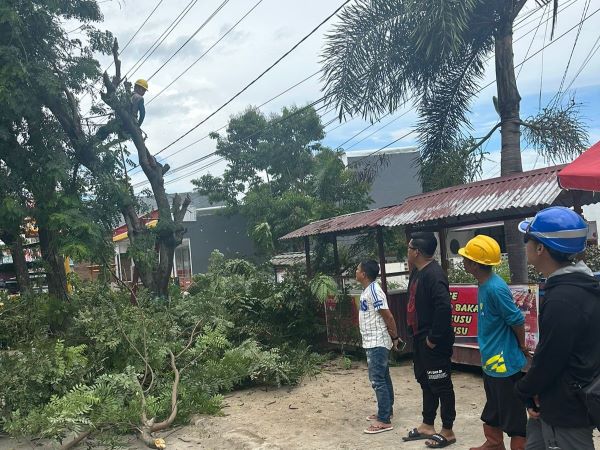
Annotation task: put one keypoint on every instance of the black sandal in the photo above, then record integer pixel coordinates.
(414, 435)
(440, 441)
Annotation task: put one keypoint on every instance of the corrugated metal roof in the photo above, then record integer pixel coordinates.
(496, 196)
(289, 259)
(361, 219)
(511, 192)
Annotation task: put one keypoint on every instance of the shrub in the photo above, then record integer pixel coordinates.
(107, 365)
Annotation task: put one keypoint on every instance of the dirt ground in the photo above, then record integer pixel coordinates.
(326, 412)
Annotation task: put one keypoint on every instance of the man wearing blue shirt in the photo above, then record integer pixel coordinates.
(501, 337)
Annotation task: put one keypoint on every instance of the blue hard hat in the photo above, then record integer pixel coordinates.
(558, 228)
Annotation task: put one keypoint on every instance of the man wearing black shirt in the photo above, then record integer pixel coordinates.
(429, 319)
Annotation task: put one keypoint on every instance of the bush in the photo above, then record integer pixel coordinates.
(106, 362)
(457, 273)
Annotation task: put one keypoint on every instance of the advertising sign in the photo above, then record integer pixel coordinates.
(465, 310)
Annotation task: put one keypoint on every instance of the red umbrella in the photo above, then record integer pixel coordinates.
(584, 173)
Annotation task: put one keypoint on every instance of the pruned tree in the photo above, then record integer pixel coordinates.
(48, 69)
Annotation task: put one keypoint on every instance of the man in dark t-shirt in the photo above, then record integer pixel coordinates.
(429, 319)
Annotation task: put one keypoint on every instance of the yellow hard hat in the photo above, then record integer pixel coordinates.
(483, 250)
(142, 83)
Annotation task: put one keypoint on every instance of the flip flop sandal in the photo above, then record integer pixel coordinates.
(374, 429)
(414, 435)
(440, 441)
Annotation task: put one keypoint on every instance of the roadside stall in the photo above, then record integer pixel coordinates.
(510, 197)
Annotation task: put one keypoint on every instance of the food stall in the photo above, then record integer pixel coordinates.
(511, 197)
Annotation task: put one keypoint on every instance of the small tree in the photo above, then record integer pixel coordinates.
(280, 176)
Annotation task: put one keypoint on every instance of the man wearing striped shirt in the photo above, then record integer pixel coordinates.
(379, 335)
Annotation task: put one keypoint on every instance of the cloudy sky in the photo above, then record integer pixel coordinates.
(271, 29)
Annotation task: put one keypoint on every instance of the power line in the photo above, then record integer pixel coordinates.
(376, 131)
(268, 101)
(139, 29)
(215, 12)
(481, 89)
(270, 125)
(533, 38)
(491, 83)
(207, 51)
(257, 78)
(586, 61)
(275, 97)
(586, 7)
(158, 42)
(128, 42)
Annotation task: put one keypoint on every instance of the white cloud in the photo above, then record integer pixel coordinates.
(271, 30)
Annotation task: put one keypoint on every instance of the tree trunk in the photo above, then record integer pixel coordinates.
(55, 265)
(170, 228)
(13, 240)
(508, 106)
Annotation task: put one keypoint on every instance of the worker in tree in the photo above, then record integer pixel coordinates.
(137, 100)
(138, 111)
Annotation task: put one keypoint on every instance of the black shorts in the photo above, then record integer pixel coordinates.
(503, 409)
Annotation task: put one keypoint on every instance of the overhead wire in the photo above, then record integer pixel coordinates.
(214, 153)
(489, 84)
(159, 40)
(206, 51)
(595, 47)
(127, 43)
(492, 82)
(275, 97)
(586, 7)
(533, 38)
(245, 88)
(192, 36)
(521, 25)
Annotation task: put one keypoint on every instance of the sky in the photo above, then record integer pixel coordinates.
(275, 26)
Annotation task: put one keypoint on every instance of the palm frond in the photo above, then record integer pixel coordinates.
(364, 55)
(381, 51)
(557, 132)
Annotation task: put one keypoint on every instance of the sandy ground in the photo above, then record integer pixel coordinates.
(326, 412)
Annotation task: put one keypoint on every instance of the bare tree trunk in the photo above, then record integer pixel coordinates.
(55, 265)
(508, 106)
(13, 240)
(170, 218)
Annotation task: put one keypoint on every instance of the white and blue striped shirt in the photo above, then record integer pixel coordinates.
(372, 326)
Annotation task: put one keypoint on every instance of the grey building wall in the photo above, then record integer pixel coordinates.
(228, 234)
(397, 178)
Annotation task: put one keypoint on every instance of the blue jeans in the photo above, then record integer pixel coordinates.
(379, 376)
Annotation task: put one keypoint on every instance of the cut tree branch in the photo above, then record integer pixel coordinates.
(485, 138)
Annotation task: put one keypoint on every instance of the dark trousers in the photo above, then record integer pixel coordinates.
(433, 371)
(543, 436)
(503, 409)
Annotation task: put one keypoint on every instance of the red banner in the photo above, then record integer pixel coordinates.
(464, 310)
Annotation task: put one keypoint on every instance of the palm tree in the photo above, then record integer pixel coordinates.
(384, 53)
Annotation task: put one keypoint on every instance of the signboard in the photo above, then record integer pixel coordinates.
(342, 316)
(465, 310)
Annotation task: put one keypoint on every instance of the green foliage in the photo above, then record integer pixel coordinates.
(557, 132)
(592, 257)
(237, 327)
(457, 273)
(323, 287)
(279, 176)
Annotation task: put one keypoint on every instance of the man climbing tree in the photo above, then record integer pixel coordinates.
(138, 110)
